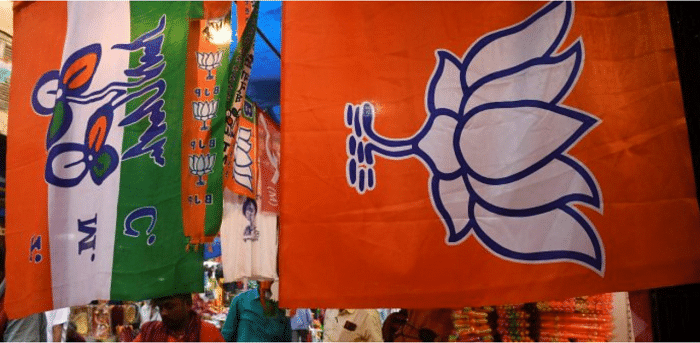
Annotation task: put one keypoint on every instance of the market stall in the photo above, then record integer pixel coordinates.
(147, 149)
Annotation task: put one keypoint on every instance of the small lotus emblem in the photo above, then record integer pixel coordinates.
(209, 61)
(204, 110)
(201, 165)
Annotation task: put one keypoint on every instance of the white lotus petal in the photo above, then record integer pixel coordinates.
(242, 158)
(539, 82)
(501, 142)
(192, 162)
(209, 60)
(210, 161)
(243, 144)
(242, 177)
(448, 91)
(209, 108)
(438, 144)
(455, 199)
(514, 49)
(554, 180)
(550, 231)
(200, 163)
(244, 133)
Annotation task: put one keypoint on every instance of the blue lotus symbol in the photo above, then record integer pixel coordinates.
(496, 141)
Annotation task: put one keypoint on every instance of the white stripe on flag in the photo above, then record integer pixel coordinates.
(80, 277)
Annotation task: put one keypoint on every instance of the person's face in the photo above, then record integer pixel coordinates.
(249, 213)
(174, 312)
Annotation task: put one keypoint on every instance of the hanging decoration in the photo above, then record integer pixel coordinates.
(204, 119)
(580, 319)
(249, 234)
(268, 147)
(240, 160)
(94, 153)
(534, 147)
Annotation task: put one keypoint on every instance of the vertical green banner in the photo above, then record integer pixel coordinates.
(150, 257)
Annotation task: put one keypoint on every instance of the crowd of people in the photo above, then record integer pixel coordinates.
(252, 316)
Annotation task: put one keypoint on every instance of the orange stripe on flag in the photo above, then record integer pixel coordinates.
(38, 46)
(243, 12)
(195, 141)
(201, 105)
(216, 9)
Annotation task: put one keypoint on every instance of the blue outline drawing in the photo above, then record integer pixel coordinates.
(479, 98)
(55, 94)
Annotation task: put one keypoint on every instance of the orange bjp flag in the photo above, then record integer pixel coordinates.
(479, 153)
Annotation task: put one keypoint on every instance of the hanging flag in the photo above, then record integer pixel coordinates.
(248, 234)
(268, 145)
(485, 153)
(240, 164)
(203, 123)
(94, 208)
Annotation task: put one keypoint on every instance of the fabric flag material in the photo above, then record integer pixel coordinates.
(249, 235)
(268, 143)
(487, 153)
(203, 124)
(94, 154)
(240, 167)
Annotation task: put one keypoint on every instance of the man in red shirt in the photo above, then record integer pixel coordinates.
(180, 323)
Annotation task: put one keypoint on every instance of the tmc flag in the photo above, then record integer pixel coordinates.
(94, 156)
(477, 153)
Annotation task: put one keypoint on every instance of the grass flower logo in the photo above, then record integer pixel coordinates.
(496, 141)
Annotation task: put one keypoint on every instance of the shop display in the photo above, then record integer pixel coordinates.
(131, 314)
(513, 323)
(80, 316)
(101, 320)
(472, 325)
(90, 93)
(580, 319)
(586, 319)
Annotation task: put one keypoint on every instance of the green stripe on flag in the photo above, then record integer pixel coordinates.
(151, 261)
(237, 64)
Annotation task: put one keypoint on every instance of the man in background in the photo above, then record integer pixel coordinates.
(347, 325)
(300, 325)
(254, 317)
(179, 323)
